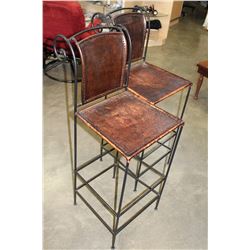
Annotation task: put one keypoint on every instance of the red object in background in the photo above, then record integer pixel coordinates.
(63, 17)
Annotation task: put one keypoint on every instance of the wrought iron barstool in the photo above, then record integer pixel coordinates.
(105, 73)
(147, 81)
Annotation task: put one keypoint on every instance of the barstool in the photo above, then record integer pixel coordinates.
(146, 81)
(105, 74)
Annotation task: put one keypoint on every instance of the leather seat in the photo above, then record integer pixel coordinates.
(129, 124)
(153, 83)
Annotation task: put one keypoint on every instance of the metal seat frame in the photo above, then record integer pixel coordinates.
(118, 209)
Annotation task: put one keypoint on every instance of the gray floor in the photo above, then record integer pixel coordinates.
(181, 220)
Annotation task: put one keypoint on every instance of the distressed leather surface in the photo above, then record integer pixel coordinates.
(128, 123)
(153, 83)
(136, 26)
(103, 58)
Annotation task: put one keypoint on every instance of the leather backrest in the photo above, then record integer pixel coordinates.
(135, 23)
(103, 59)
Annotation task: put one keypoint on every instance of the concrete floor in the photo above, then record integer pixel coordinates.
(181, 220)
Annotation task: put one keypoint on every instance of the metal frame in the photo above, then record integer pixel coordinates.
(118, 209)
(160, 144)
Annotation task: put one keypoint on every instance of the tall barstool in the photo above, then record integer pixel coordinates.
(105, 73)
(147, 81)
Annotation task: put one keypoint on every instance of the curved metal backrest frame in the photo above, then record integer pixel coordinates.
(72, 41)
(140, 23)
(105, 18)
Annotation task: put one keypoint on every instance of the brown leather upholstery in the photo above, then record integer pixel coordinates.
(103, 58)
(153, 83)
(129, 124)
(135, 23)
(147, 81)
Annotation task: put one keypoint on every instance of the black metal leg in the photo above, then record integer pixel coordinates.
(115, 198)
(183, 110)
(171, 146)
(138, 169)
(120, 207)
(164, 169)
(170, 163)
(75, 129)
(71, 152)
(75, 157)
(185, 103)
(101, 149)
(102, 142)
(115, 163)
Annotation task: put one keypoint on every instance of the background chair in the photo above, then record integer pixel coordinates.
(105, 71)
(148, 81)
(61, 17)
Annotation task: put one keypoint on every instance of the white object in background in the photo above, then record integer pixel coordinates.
(205, 24)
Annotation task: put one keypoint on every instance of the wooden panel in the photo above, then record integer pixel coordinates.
(176, 10)
(157, 37)
(132, 3)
